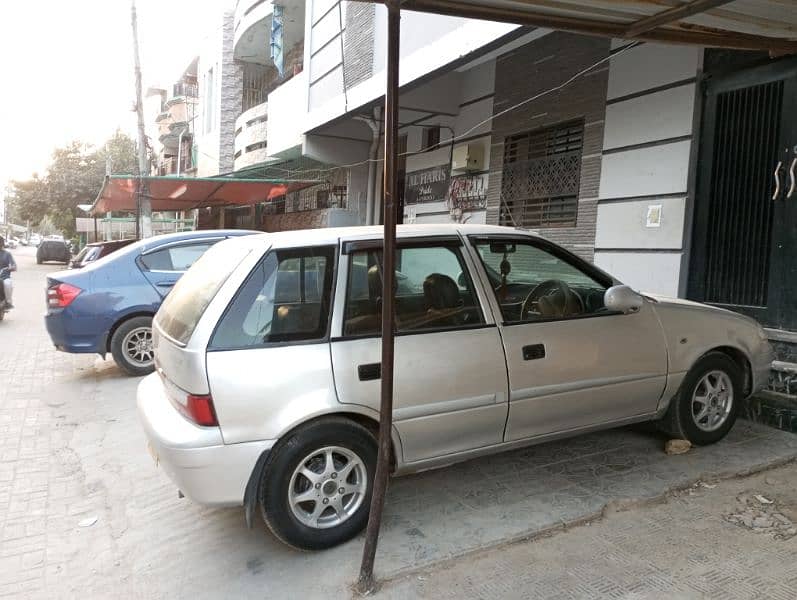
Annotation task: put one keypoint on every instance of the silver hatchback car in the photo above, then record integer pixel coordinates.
(267, 352)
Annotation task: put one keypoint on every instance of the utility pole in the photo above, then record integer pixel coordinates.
(143, 204)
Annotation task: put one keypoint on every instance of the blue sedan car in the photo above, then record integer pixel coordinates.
(108, 306)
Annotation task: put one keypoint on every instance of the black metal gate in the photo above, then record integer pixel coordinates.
(744, 231)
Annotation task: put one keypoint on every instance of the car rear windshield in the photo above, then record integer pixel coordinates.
(183, 307)
(88, 254)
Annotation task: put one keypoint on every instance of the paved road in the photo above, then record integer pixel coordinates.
(72, 453)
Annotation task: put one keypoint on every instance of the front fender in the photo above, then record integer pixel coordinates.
(691, 330)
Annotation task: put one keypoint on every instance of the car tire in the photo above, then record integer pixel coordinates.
(131, 344)
(327, 517)
(718, 380)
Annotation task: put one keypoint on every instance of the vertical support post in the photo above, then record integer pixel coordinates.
(365, 582)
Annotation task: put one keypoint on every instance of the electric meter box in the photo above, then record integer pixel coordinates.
(468, 157)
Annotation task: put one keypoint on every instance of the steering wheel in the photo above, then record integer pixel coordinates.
(552, 298)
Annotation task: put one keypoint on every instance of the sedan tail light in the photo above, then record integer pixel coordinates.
(61, 295)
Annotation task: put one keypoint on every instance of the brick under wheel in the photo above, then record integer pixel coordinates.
(315, 491)
(707, 404)
(131, 346)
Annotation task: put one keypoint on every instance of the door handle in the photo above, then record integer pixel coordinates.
(369, 372)
(792, 181)
(166, 283)
(777, 180)
(533, 352)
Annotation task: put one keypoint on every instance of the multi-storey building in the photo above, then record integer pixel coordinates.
(658, 162)
(654, 161)
(172, 131)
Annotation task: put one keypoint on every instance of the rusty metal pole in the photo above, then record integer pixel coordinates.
(366, 582)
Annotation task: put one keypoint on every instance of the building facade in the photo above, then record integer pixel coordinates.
(669, 166)
(220, 84)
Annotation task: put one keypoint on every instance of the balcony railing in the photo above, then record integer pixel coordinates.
(189, 90)
(169, 165)
(251, 97)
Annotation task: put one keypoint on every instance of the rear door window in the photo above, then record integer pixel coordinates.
(287, 298)
(175, 258)
(434, 291)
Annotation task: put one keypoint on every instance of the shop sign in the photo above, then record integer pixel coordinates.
(427, 185)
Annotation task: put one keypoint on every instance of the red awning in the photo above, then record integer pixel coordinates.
(118, 192)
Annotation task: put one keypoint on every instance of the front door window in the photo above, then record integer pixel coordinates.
(532, 283)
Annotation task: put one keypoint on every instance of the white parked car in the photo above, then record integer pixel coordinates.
(268, 350)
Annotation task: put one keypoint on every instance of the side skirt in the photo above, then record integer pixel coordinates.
(450, 459)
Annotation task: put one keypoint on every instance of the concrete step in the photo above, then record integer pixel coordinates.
(784, 367)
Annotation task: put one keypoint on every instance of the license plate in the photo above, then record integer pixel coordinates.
(153, 454)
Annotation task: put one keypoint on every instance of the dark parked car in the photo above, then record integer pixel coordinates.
(108, 305)
(97, 250)
(53, 251)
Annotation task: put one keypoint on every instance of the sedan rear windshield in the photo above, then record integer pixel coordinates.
(88, 254)
(183, 307)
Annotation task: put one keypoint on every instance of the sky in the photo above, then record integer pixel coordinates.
(66, 69)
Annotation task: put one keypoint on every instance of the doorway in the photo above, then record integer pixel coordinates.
(745, 227)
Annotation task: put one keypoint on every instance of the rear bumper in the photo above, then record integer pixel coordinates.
(66, 336)
(195, 458)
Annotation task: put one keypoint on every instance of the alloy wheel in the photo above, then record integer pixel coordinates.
(712, 400)
(137, 346)
(327, 487)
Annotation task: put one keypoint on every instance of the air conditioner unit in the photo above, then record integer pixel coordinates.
(468, 157)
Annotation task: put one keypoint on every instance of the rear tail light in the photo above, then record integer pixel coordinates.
(200, 410)
(61, 295)
(197, 408)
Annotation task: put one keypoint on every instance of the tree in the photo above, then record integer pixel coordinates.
(120, 152)
(46, 226)
(29, 199)
(75, 176)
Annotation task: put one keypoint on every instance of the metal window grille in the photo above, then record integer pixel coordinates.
(541, 176)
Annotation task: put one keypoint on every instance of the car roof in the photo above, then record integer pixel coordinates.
(111, 243)
(333, 235)
(133, 250)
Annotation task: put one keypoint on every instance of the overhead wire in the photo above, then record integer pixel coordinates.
(318, 173)
(467, 132)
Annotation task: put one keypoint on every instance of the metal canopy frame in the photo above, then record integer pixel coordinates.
(579, 16)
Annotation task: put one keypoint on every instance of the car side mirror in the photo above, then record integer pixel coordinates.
(622, 298)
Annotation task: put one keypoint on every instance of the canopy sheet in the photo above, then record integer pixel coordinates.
(119, 192)
(743, 24)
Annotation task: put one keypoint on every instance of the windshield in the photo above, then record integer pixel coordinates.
(184, 306)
